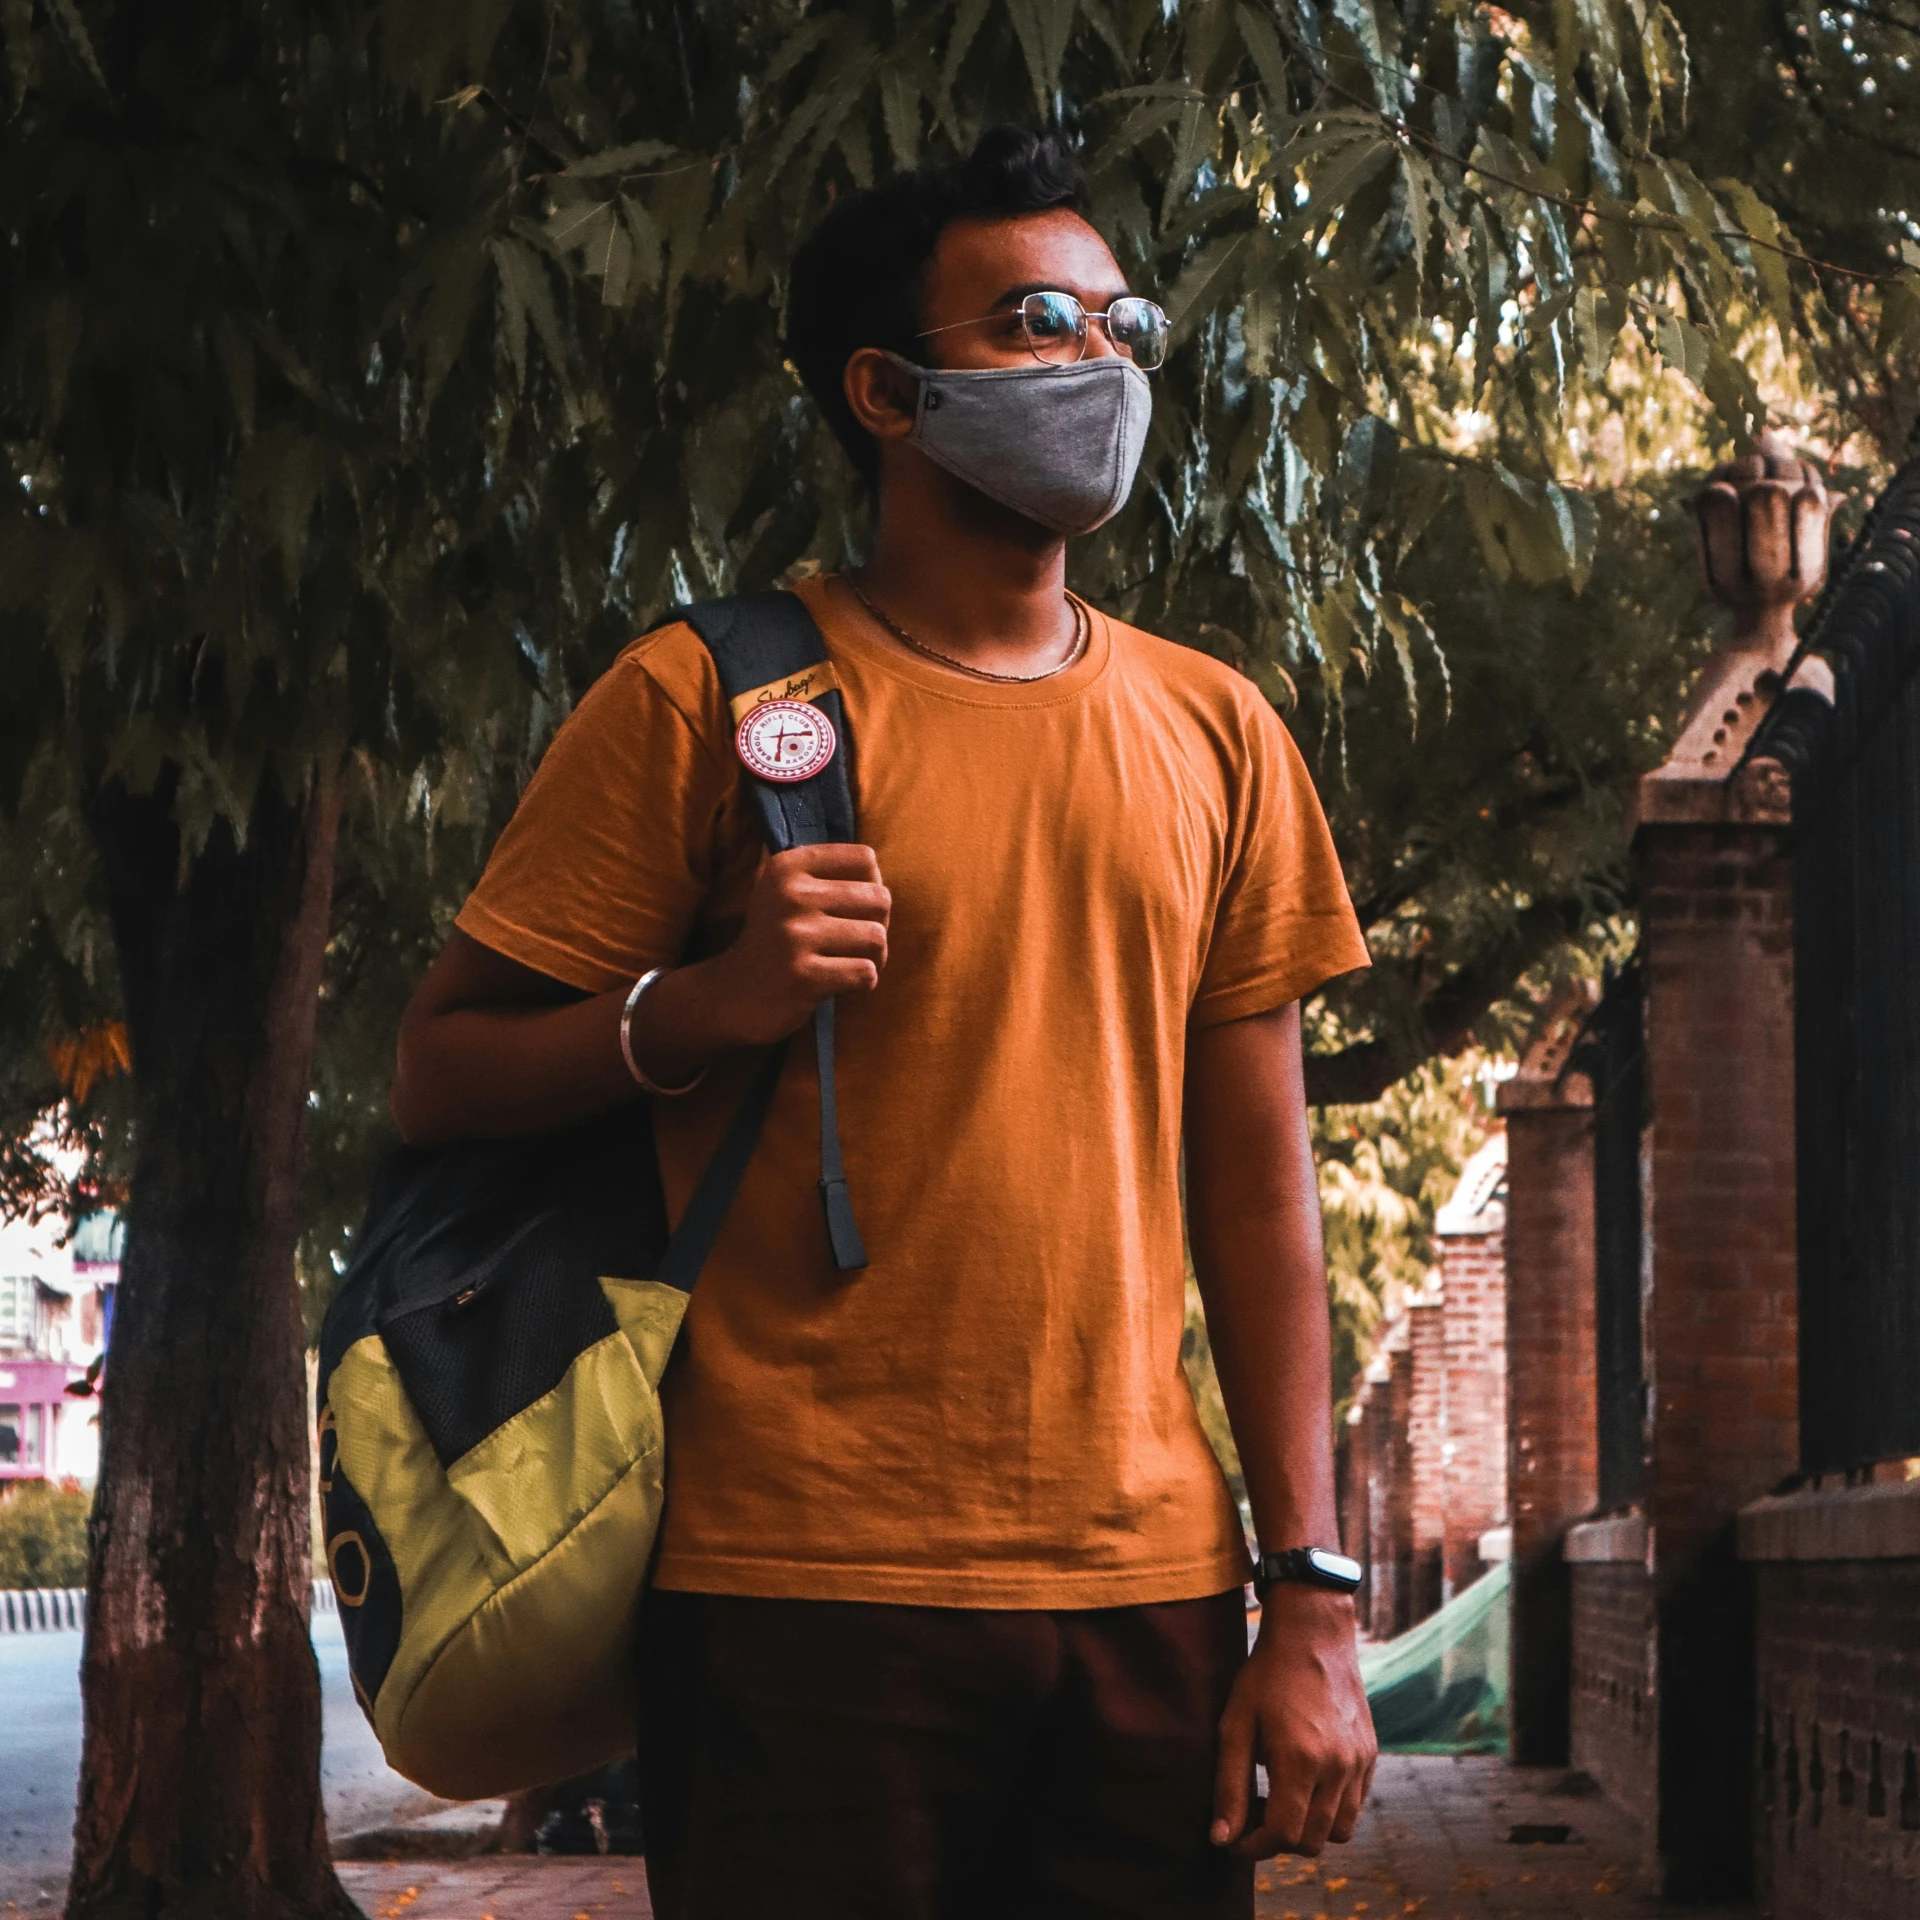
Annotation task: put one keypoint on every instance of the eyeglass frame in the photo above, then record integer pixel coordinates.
(1086, 322)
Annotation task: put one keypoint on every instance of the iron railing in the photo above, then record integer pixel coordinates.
(1612, 1053)
(1855, 768)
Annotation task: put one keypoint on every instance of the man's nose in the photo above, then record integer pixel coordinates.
(1099, 341)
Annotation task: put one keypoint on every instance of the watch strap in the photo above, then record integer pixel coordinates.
(1308, 1567)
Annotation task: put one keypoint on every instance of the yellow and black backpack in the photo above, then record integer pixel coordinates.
(490, 1436)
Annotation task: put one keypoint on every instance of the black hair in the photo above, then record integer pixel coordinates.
(857, 279)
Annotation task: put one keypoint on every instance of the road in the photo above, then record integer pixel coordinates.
(40, 1759)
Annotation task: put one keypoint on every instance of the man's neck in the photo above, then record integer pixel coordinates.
(971, 579)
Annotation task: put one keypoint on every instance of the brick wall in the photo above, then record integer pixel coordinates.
(1553, 1464)
(1473, 1462)
(1613, 1729)
(1837, 1714)
(1426, 1436)
(1354, 1462)
(1718, 905)
(1838, 1730)
(1390, 1491)
(1716, 919)
(1350, 1475)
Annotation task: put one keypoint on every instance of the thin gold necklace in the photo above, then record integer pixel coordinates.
(1082, 632)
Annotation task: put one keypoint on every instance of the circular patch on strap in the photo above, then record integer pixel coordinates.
(785, 740)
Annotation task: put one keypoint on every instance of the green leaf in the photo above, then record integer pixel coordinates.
(23, 49)
(645, 236)
(1209, 278)
(1729, 385)
(1360, 20)
(1532, 521)
(1486, 502)
(1043, 28)
(237, 365)
(1422, 194)
(1769, 265)
(1260, 324)
(1192, 146)
(62, 333)
(628, 159)
(73, 30)
(795, 48)
(279, 478)
(1346, 171)
(577, 225)
(1598, 315)
(1899, 315)
(857, 150)
(1487, 284)
(1420, 487)
(615, 266)
(1404, 622)
(452, 278)
(1683, 347)
(1260, 40)
(900, 111)
(968, 18)
(523, 279)
(1167, 106)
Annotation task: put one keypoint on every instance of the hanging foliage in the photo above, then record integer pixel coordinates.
(370, 373)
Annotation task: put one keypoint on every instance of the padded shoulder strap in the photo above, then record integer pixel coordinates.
(760, 642)
(766, 644)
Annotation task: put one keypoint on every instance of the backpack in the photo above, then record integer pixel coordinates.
(490, 1434)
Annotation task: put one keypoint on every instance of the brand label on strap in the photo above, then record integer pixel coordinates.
(808, 684)
(785, 740)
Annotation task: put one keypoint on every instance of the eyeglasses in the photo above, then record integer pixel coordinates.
(1055, 325)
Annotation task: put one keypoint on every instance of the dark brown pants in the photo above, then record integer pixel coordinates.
(821, 1760)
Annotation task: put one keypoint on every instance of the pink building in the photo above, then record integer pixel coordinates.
(56, 1312)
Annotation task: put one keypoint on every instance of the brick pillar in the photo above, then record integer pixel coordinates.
(1390, 1486)
(1715, 890)
(1470, 1232)
(1426, 1438)
(1356, 1525)
(1552, 1417)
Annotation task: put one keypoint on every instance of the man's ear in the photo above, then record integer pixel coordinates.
(881, 393)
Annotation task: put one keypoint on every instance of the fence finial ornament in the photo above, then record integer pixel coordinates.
(1764, 523)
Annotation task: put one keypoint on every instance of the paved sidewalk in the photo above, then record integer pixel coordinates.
(1473, 1839)
(1437, 1843)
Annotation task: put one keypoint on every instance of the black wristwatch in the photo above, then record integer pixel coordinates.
(1310, 1566)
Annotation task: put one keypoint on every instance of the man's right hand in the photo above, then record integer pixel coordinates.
(816, 926)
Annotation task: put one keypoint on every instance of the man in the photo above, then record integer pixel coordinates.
(947, 1618)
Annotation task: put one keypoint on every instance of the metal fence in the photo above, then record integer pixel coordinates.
(1612, 1053)
(1855, 767)
(42, 1609)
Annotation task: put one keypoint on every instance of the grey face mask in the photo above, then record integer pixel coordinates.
(1058, 444)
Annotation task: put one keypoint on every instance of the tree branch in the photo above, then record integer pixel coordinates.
(1447, 1016)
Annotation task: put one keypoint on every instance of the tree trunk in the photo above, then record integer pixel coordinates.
(200, 1784)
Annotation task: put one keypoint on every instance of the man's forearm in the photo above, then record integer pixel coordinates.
(1254, 1223)
(1298, 1708)
(490, 1049)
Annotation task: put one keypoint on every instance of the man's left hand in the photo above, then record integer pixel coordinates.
(1299, 1710)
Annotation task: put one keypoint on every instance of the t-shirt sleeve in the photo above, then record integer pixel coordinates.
(1284, 924)
(607, 860)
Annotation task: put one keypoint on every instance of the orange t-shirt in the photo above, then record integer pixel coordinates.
(993, 1413)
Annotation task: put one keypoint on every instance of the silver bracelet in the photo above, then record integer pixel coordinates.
(626, 1040)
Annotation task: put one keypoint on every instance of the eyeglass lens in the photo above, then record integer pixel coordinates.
(1056, 328)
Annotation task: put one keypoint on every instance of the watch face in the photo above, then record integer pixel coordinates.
(1334, 1566)
(785, 740)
